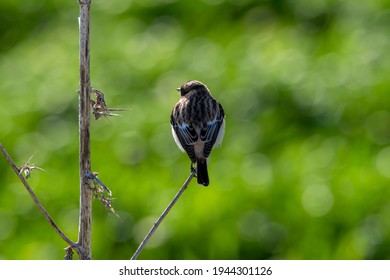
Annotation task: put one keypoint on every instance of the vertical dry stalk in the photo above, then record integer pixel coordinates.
(85, 218)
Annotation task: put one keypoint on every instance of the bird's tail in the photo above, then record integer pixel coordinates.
(202, 174)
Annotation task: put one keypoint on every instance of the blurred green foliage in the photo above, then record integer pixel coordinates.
(304, 169)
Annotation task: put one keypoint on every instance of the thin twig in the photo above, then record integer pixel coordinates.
(161, 218)
(36, 200)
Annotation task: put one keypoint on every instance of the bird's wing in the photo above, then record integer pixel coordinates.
(187, 137)
(212, 131)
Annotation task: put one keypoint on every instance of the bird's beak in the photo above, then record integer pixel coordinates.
(178, 89)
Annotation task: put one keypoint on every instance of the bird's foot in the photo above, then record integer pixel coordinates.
(193, 168)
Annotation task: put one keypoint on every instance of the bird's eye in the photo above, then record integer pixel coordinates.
(183, 91)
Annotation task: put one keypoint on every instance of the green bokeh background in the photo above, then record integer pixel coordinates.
(304, 169)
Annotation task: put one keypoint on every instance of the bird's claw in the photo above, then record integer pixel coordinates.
(193, 169)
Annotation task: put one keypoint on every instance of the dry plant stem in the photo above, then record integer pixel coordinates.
(85, 218)
(36, 200)
(161, 218)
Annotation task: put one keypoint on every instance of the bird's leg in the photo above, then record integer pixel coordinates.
(193, 168)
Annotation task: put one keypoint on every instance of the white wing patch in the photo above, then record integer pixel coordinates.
(177, 141)
(220, 135)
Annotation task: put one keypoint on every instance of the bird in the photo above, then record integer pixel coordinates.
(198, 125)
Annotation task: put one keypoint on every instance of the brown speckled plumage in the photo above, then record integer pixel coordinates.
(198, 124)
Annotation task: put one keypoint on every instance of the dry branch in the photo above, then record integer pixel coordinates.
(163, 215)
(36, 200)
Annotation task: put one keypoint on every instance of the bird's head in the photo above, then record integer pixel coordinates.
(193, 87)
